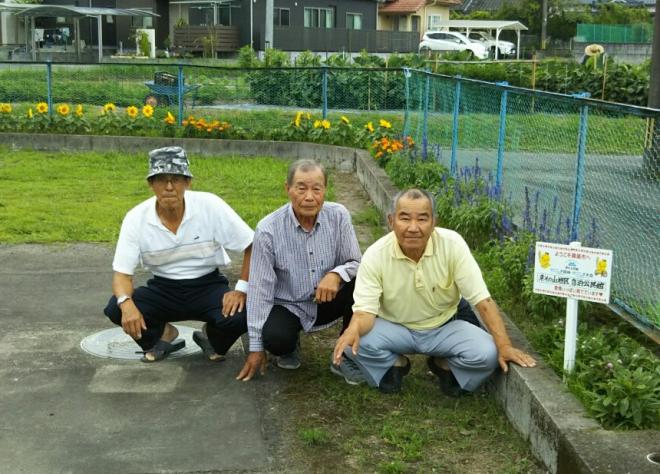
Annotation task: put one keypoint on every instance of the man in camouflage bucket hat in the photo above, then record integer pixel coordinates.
(180, 236)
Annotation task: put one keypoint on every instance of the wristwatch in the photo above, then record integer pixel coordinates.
(121, 299)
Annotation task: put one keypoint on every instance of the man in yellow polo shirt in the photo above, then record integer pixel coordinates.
(411, 297)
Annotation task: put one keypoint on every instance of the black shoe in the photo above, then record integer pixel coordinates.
(448, 383)
(393, 378)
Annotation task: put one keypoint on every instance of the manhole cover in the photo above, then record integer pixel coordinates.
(116, 344)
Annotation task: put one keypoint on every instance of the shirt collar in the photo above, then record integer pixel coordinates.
(321, 218)
(152, 215)
(398, 253)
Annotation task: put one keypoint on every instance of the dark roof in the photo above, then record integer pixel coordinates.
(484, 5)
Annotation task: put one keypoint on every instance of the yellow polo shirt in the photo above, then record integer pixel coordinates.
(419, 295)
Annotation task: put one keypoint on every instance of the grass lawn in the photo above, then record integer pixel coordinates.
(323, 424)
(67, 197)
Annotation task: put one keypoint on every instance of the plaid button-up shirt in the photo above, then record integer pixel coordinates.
(288, 262)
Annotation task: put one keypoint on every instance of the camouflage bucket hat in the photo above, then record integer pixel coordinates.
(168, 160)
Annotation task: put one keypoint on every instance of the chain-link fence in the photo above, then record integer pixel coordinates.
(573, 168)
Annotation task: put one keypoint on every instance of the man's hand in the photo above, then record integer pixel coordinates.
(351, 337)
(255, 361)
(232, 303)
(510, 353)
(327, 288)
(132, 321)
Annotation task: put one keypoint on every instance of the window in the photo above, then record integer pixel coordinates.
(354, 21)
(433, 21)
(281, 16)
(319, 18)
(142, 21)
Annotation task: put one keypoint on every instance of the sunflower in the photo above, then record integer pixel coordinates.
(63, 109)
(147, 111)
(42, 107)
(132, 111)
(325, 124)
(369, 126)
(109, 107)
(169, 120)
(317, 124)
(79, 110)
(296, 121)
(29, 113)
(5, 108)
(345, 120)
(384, 123)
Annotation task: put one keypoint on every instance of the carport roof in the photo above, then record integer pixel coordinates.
(22, 10)
(481, 24)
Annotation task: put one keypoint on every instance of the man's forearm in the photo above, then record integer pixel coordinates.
(122, 284)
(491, 317)
(363, 322)
(245, 269)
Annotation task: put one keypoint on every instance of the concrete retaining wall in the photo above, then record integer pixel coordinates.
(535, 400)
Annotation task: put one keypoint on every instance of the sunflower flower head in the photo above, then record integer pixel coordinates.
(170, 119)
(317, 124)
(147, 111)
(79, 110)
(132, 111)
(297, 120)
(109, 108)
(30, 114)
(345, 120)
(325, 124)
(370, 127)
(63, 109)
(5, 108)
(384, 123)
(42, 107)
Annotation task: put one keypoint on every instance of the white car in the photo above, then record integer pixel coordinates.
(451, 41)
(505, 48)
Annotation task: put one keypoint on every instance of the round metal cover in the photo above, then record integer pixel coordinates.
(116, 344)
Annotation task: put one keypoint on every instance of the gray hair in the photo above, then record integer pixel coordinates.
(305, 165)
(412, 193)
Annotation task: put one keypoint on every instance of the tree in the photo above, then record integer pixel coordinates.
(615, 14)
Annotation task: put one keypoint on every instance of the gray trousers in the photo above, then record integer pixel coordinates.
(469, 350)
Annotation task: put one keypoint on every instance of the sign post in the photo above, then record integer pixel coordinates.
(575, 273)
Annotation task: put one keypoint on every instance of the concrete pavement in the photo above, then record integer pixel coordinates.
(64, 410)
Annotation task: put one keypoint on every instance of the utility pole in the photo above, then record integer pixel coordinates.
(544, 24)
(652, 145)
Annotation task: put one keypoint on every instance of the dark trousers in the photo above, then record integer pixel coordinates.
(281, 329)
(164, 301)
(464, 312)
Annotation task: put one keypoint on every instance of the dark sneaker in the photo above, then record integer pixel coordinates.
(446, 380)
(392, 381)
(289, 361)
(349, 370)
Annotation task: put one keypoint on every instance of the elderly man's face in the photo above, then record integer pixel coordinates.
(307, 193)
(169, 190)
(412, 223)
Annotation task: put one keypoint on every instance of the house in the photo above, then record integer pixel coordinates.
(414, 15)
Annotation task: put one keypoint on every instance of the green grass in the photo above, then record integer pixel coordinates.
(358, 429)
(82, 197)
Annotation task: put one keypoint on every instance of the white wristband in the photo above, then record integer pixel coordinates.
(242, 286)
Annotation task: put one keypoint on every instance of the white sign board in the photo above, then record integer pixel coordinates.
(581, 273)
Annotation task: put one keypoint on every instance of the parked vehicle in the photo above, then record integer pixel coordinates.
(505, 48)
(451, 41)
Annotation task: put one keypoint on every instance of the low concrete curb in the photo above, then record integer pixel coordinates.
(536, 402)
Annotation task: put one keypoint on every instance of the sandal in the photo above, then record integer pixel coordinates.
(162, 349)
(203, 342)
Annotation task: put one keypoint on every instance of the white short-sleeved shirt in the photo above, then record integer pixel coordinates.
(209, 226)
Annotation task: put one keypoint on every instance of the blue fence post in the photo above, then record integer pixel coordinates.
(454, 131)
(579, 174)
(425, 123)
(406, 113)
(180, 94)
(502, 136)
(325, 92)
(49, 88)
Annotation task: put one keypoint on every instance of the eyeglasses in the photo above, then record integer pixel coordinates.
(169, 178)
